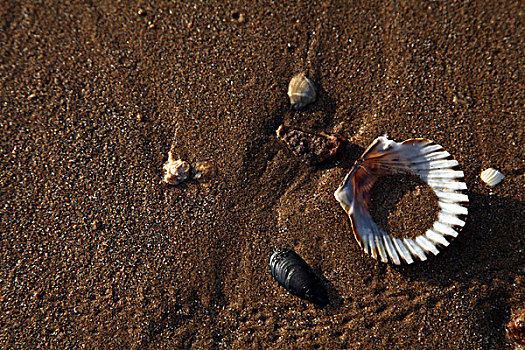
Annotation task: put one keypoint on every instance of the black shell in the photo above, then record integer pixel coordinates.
(294, 274)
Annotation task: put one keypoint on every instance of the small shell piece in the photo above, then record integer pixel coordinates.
(294, 274)
(177, 171)
(516, 328)
(434, 166)
(204, 171)
(491, 177)
(309, 147)
(301, 91)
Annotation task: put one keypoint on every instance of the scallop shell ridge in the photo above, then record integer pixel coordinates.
(491, 176)
(435, 167)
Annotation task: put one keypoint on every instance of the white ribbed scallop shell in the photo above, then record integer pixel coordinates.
(491, 176)
(420, 157)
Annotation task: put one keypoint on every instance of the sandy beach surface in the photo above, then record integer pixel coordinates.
(96, 252)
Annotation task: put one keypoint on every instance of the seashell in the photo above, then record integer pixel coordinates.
(204, 171)
(294, 274)
(177, 171)
(309, 147)
(516, 328)
(491, 177)
(434, 166)
(301, 91)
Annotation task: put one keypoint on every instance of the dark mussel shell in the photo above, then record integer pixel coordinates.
(516, 328)
(294, 274)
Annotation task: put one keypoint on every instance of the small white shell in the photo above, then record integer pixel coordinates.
(434, 166)
(301, 91)
(177, 171)
(491, 176)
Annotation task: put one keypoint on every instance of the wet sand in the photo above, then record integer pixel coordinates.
(97, 252)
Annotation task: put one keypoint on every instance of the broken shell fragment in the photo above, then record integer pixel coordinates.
(297, 277)
(177, 171)
(420, 157)
(516, 328)
(309, 147)
(301, 91)
(204, 171)
(491, 177)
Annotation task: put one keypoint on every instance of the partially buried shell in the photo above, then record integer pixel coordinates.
(309, 147)
(516, 328)
(294, 274)
(301, 91)
(177, 171)
(491, 176)
(434, 166)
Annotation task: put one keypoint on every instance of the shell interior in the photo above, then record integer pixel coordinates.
(435, 167)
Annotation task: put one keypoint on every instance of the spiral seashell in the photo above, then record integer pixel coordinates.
(294, 274)
(434, 166)
(491, 177)
(516, 328)
(301, 91)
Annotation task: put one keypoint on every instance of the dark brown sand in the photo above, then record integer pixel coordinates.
(403, 205)
(97, 253)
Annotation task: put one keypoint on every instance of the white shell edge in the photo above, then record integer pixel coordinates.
(438, 174)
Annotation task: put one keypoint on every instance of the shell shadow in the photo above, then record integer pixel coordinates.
(488, 252)
(316, 116)
(335, 299)
(345, 157)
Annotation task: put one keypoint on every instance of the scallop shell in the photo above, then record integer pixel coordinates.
(434, 166)
(491, 176)
(301, 91)
(297, 277)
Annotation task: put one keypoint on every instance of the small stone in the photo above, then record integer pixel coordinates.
(177, 171)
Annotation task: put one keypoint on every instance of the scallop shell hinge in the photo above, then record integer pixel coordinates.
(435, 167)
